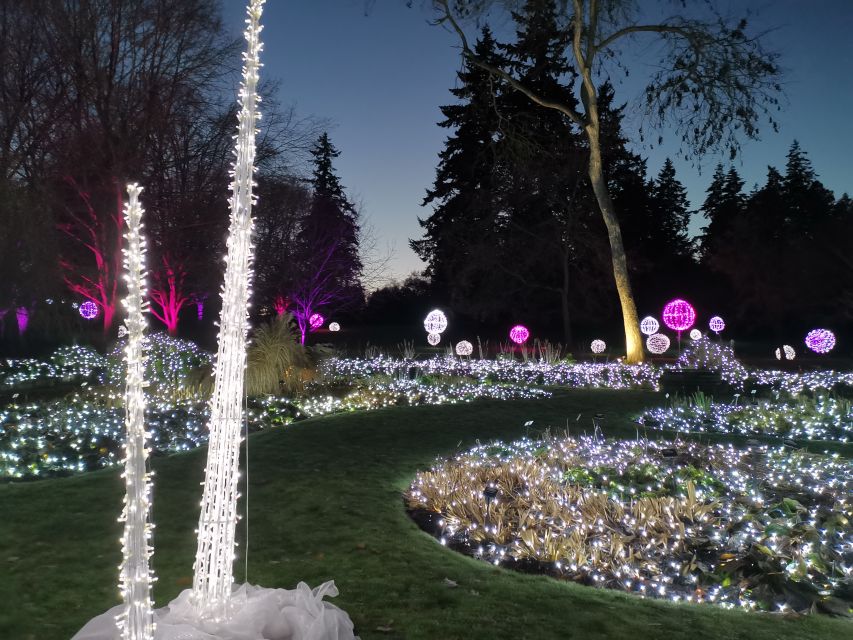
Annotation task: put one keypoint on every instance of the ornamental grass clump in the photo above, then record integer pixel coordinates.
(756, 528)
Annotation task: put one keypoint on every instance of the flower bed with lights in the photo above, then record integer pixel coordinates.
(85, 432)
(66, 363)
(578, 375)
(758, 528)
(821, 417)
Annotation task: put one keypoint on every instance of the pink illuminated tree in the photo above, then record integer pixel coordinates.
(92, 265)
(168, 292)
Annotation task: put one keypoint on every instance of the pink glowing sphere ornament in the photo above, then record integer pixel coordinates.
(598, 346)
(716, 324)
(464, 348)
(519, 334)
(649, 325)
(89, 310)
(433, 338)
(657, 343)
(679, 315)
(435, 322)
(316, 321)
(820, 340)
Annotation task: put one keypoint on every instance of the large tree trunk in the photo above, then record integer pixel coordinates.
(633, 338)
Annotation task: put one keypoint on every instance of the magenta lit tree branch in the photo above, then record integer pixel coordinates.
(213, 579)
(97, 239)
(169, 293)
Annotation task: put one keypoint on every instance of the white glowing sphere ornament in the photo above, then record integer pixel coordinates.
(716, 324)
(695, 334)
(435, 322)
(657, 343)
(464, 348)
(649, 325)
(598, 346)
(433, 338)
(334, 326)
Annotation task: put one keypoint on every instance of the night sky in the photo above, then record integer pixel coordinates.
(380, 79)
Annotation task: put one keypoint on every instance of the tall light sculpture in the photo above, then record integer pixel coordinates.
(136, 620)
(213, 577)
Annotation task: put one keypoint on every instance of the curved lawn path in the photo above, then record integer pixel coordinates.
(324, 503)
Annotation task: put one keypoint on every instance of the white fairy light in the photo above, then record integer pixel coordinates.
(136, 620)
(649, 325)
(464, 348)
(435, 322)
(213, 578)
(657, 343)
(433, 338)
(598, 346)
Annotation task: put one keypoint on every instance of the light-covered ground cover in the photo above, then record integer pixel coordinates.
(760, 527)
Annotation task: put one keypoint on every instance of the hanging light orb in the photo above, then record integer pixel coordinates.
(464, 348)
(89, 310)
(695, 334)
(649, 325)
(598, 346)
(789, 352)
(679, 315)
(435, 322)
(315, 321)
(657, 343)
(778, 354)
(820, 340)
(519, 334)
(716, 324)
(433, 338)
(334, 326)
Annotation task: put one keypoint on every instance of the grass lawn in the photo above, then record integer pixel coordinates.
(325, 503)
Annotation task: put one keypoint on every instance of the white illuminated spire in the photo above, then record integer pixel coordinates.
(136, 619)
(212, 582)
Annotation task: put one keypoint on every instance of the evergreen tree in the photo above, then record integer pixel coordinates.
(327, 249)
(723, 205)
(671, 214)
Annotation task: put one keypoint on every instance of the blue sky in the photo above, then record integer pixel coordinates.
(380, 79)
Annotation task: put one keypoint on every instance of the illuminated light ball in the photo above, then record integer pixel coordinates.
(435, 322)
(716, 324)
(122, 331)
(695, 334)
(598, 346)
(649, 326)
(679, 315)
(89, 310)
(519, 334)
(464, 348)
(789, 352)
(820, 340)
(433, 338)
(657, 343)
(316, 321)
(334, 326)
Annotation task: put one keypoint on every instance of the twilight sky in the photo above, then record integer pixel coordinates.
(380, 79)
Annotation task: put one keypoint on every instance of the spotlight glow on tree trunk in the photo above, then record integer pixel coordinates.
(136, 619)
(213, 579)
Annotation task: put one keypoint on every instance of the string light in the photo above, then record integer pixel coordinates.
(89, 310)
(657, 343)
(213, 568)
(820, 340)
(435, 322)
(649, 325)
(519, 334)
(464, 348)
(136, 620)
(315, 321)
(679, 315)
(716, 324)
(598, 346)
